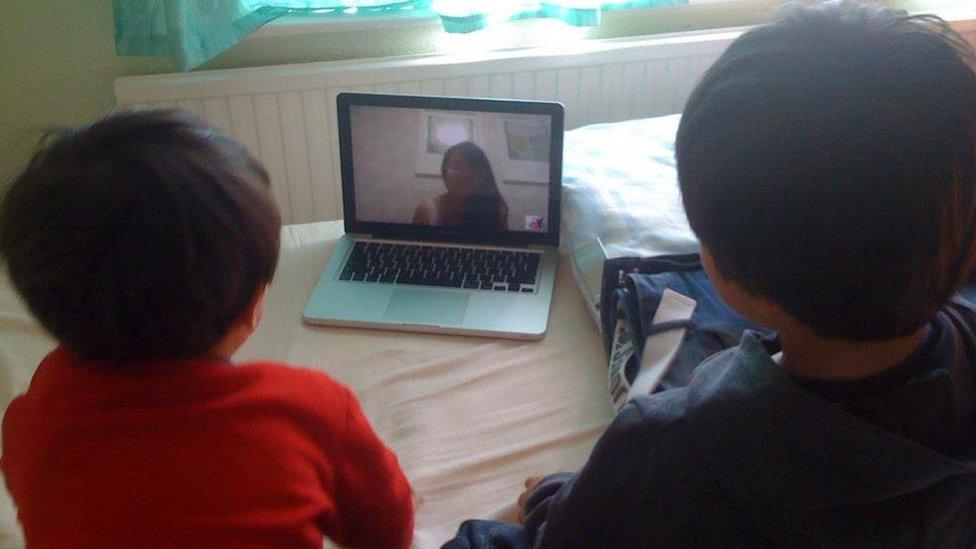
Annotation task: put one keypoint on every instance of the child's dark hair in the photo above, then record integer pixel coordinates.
(828, 162)
(144, 235)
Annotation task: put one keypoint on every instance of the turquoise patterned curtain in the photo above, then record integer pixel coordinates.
(194, 31)
(471, 15)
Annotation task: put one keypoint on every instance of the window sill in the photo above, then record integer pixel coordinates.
(304, 25)
(760, 10)
(301, 25)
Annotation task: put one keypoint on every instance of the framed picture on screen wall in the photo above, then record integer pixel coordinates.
(437, 132)
(525, 150)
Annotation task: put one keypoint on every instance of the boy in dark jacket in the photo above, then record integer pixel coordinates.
(827, 163)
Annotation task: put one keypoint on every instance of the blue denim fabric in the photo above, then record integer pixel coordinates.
(713, 326)
(488, 534)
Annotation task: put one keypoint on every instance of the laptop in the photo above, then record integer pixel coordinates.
(451, 215)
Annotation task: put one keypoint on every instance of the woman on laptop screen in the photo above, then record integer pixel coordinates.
(472, 200)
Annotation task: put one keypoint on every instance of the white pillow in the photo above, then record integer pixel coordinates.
(620, 197)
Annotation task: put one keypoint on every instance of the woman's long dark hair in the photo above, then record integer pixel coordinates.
(483, 210)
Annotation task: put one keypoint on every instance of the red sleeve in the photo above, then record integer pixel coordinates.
(373, 496)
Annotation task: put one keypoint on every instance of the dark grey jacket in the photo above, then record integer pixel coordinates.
(745, 456)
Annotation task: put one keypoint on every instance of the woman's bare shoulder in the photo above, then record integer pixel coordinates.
(421, 215)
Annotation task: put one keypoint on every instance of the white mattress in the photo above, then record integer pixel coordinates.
(470, 418)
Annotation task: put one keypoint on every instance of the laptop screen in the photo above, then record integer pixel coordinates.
(451, 169)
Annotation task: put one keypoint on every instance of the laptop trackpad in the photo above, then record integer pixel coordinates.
(426, 307)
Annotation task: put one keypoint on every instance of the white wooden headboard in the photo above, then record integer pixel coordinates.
(286, 114)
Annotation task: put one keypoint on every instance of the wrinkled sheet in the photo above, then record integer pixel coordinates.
(469, 417)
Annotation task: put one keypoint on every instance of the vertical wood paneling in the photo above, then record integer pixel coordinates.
(590, 98)
(674, 75)
(523, 85)
(702, 64)
(686, 84)
(408, 88)
(613, 106)
(193, 105)
(545, 86)
(293, 131)
(330, 113)
(680, 88)
(670, 83)
(659, 86)
(272, 149)
(698, 67)
(216, 110)
(244, 126)
(457, 87)
(567, 91)
(295, 141)
(478, 86)
(635, 92)
(500, 86)
(319, 129)
(432, 87)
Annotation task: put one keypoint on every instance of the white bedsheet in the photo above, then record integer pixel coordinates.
(469, 417)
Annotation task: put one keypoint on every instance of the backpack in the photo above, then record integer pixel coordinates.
(661, 317)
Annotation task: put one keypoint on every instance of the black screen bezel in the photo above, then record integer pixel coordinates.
(449, 234)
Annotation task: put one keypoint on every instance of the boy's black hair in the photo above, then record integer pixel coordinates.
(144, 235)
(828, 163)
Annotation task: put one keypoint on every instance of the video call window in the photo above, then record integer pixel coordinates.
(485, 172)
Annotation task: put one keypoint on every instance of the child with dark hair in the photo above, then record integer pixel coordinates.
(827, 162)
(144, 244)
(472, 200)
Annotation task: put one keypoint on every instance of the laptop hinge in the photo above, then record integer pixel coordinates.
(537, 247)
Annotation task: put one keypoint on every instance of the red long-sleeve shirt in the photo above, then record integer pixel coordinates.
(198, 453)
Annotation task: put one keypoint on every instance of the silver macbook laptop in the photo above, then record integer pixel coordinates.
(451, 212)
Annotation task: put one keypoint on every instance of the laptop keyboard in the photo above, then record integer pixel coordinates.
(442, 266)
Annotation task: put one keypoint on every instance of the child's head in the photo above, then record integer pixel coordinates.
(827, 163)
(145, 235)
(466, 170)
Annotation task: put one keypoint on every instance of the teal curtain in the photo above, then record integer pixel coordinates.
(462, 16)
(193, 31)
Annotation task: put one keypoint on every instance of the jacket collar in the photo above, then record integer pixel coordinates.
(776, 442)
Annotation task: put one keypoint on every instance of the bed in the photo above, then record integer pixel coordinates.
(469, 417)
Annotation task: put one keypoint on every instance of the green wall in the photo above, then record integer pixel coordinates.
(57, 65)
(58, 61)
